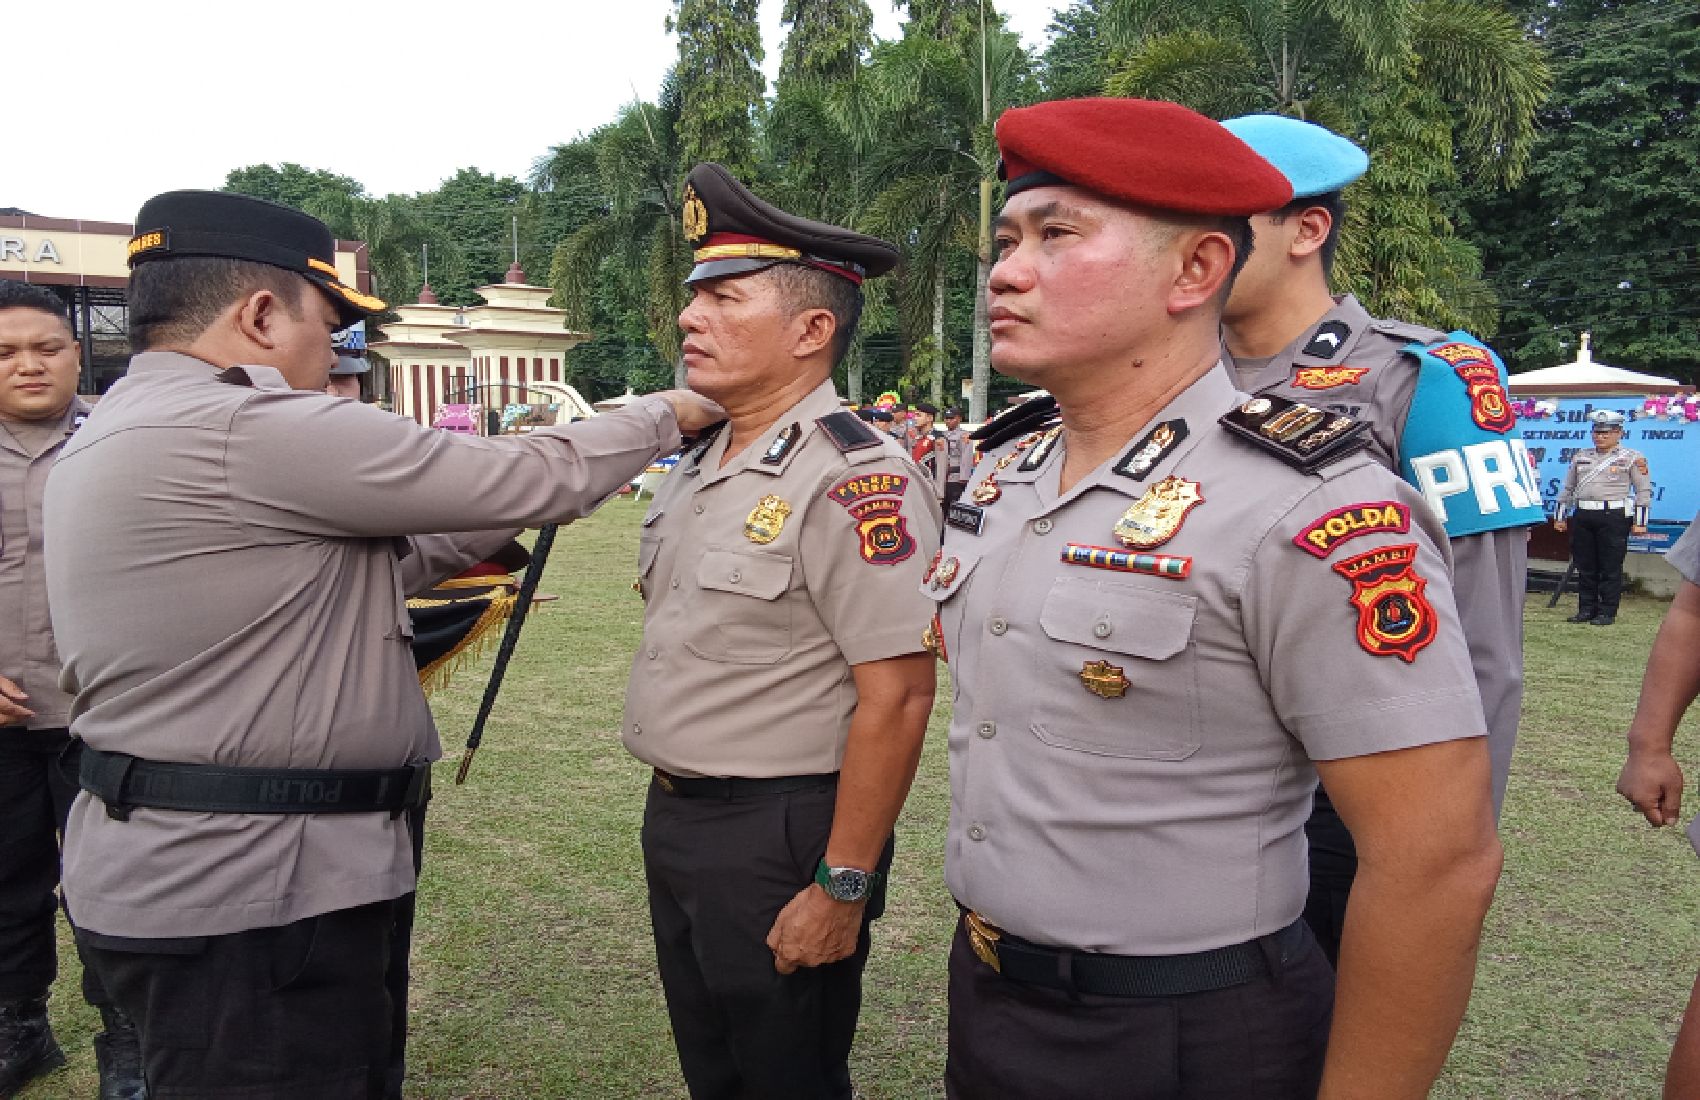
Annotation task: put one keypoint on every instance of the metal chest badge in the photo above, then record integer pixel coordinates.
(1154, 518)
(1104, 679)
(766, 520)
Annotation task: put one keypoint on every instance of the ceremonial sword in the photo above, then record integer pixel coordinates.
(510, 637)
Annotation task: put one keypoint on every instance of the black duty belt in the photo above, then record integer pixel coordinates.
(1130, 975)
(682, 787)
(124, 782)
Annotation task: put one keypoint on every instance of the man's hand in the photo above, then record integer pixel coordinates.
(12, 709)
(814, 929)
(693, 411)
(1652, 782)
(1559, 526)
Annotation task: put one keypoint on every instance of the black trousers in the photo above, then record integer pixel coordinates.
(399, 972)
(298, 1012)
(1333, 866)
(1598, 542)
(1264, 1040)
(35, 800)
(719, 871)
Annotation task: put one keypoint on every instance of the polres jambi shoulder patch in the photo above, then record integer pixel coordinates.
(1395, 619)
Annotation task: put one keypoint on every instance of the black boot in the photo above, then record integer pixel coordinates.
(118, 1053)
(27, 1047)
(1584, 615)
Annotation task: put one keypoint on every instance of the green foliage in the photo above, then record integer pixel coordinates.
(1602, 232)
(720, 81)
(1431, 87)
(472, 213)
(290, 184)
(826, 41)
(1076, 63)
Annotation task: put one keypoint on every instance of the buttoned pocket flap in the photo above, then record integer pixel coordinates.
(1118, 618)
(745, 572)
(648, 547)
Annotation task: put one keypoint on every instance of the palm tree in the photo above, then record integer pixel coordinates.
(1431, 87)
(923, 126)
(636, 240)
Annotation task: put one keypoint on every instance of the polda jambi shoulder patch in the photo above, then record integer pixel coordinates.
(1490, 407)
(1395, 619)
(1344, 524)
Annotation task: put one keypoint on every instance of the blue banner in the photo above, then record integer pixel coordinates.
(1556, 428)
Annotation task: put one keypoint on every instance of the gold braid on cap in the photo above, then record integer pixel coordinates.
(746, 251)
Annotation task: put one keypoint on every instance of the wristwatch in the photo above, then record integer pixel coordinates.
(845, 883)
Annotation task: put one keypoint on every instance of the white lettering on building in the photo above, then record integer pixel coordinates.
(16, 248)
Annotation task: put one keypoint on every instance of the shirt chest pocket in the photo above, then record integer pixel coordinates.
(740, 612)
(1119, 671)
(648, 547)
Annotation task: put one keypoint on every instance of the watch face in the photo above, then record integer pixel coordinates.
(849, 884)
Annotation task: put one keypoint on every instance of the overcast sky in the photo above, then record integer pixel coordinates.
(117, 100)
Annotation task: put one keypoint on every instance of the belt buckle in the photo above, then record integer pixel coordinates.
(665, 782)
(983, 938)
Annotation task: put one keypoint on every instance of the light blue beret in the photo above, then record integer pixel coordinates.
(1314, 160)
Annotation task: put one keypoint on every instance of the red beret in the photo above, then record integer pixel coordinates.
(1141, 151)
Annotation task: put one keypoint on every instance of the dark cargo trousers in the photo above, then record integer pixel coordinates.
(1599, 540)
(35, 799)
(719, 871)
(1263, 1040)
(297, 1012)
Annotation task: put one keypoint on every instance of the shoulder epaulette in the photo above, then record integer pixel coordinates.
(705, 440)
(234, 376)
(1300, 435)
(1405, 330)
(1039, 414)
(847, 431)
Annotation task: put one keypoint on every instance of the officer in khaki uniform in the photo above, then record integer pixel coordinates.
(39, 409)
(1158, 613)
(1606, 494)
(232, 556)
(1438, 414)
(781, 691)
(958, 455)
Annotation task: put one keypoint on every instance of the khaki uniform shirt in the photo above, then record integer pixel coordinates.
(27, 654)
(1371, 378)
(228, 582)
(959, 454)
(1619, 475)
(1130, 754)
(764, 581)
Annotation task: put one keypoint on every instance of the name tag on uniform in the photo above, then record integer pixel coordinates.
(966, 517)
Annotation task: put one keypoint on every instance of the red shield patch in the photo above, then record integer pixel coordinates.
(1490, 407)
(1395, 619)
(885, 532)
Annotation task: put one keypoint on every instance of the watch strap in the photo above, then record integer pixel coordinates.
(823, 877)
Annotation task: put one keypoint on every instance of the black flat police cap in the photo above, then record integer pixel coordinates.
(237, 227)
(734, 233)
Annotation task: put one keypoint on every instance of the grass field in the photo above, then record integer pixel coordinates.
(534, 976)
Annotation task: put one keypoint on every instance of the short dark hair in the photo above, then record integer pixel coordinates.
(924, 407)
(805, 287)
(174, 301)
(16, 295)
(1335, 203)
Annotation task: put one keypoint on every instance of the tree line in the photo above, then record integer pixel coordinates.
(1535, 168)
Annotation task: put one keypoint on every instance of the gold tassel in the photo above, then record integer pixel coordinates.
(436, 675)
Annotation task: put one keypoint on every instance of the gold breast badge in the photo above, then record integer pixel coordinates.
(1104, 679)
(766, 520)
(1154, 518)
